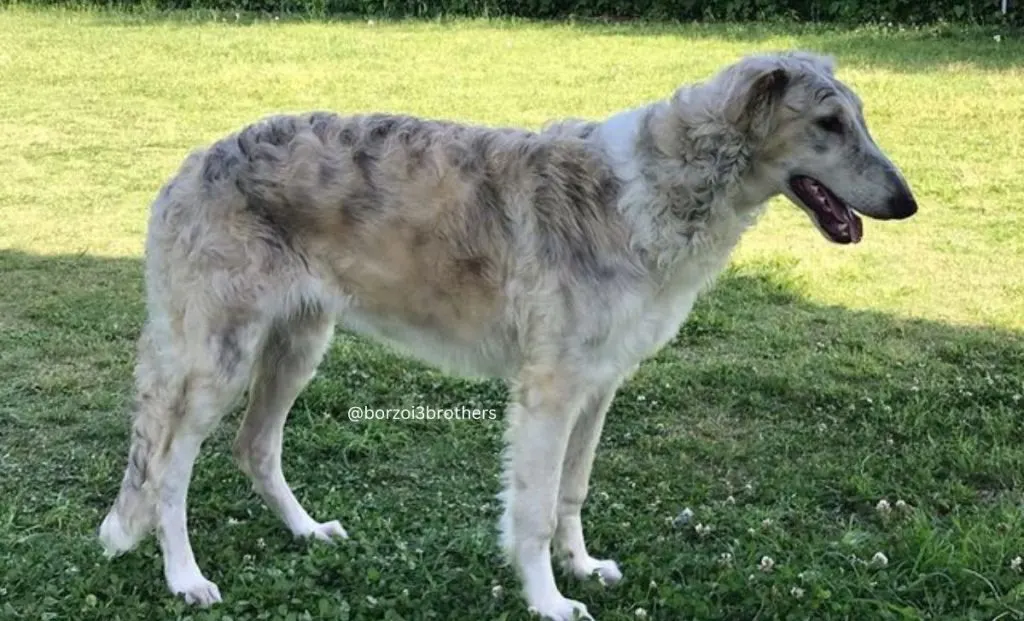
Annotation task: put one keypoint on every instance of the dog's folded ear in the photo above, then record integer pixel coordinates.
(754, 95)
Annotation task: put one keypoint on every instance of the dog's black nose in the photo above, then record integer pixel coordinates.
(902, 205)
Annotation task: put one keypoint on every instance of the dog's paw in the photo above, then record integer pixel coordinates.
(607, 571)
(119, 536)
(560, 609)
(197, 591)
(327, 531)
(115, 538)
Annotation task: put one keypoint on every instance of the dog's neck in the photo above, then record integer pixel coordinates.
(684, 181)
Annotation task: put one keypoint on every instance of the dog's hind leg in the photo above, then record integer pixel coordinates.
(541, 414)
(188, 377)
(579, 459)
(220, 358)
(220, 364)
(289, 359)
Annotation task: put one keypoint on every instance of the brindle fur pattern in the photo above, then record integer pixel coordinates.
(557, 260)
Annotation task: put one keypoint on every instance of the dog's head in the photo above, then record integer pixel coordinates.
(812, 143)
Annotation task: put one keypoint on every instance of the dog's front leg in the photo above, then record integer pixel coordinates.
(542, 413)
(579, 459)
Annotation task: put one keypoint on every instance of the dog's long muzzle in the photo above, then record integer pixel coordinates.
(898, 203)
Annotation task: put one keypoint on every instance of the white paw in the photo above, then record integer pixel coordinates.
(114, 538)
(561, 609)
(607, 571)
(197, 591)
(327, 531)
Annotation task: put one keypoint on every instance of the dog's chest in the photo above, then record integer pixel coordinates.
(638, 337)
(645, 324)
(646, 321)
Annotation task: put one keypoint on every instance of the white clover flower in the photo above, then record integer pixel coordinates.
(640, 613)
(767, 564)
(883, 507)
(879, 559)
(796, 592)
(1017, 564)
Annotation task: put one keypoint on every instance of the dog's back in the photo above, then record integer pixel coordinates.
(406, 223)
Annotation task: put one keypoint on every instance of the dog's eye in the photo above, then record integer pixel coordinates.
(831, 124)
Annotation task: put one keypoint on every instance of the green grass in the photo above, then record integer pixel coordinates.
(814, 381)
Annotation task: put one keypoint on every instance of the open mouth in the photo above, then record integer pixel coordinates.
(833, 217)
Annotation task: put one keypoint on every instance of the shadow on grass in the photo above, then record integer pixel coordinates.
(808, 414)
(911, 50)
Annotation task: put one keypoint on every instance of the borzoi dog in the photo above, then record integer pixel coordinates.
(557, 260)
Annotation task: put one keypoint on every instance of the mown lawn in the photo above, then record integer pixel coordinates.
(812, 383)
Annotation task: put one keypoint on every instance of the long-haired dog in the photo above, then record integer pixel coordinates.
(557, 260)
